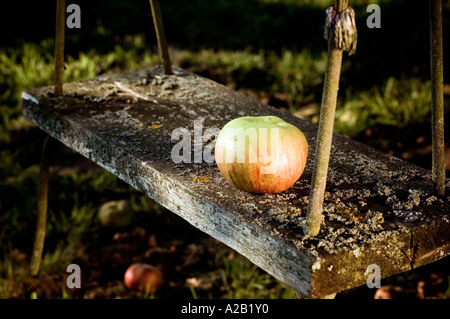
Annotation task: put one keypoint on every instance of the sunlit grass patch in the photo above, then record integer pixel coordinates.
(399, 103)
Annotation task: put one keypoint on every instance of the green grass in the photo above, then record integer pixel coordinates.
(296, 76)
(397, 103)
(243, 280)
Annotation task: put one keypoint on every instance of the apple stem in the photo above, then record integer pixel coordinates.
(325, 130)
(59, 47)
(437, 97)
(39, 238)
(160, 36)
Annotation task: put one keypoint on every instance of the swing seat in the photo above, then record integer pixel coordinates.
(379, 212)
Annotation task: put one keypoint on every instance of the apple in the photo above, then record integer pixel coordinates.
(262, 154)
(143, 277)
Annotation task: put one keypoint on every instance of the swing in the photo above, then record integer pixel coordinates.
(379, 213)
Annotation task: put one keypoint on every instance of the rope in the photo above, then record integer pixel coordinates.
(437, 97)
(59, 46)
(341, 34)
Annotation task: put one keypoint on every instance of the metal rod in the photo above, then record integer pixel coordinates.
(161, 37)
(325, 132)
(59, 46)
(437, 97)
(39, 238)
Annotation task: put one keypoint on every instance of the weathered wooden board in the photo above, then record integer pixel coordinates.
(378, 209)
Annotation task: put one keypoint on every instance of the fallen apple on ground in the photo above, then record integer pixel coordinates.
(262, 154)
(143, 277)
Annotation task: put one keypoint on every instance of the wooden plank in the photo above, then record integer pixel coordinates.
(378, 209)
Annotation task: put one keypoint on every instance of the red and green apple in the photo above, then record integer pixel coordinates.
(262, 154)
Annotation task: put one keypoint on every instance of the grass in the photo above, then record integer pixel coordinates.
(238, 278)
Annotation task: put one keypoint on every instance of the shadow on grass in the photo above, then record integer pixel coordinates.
(399, 47)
